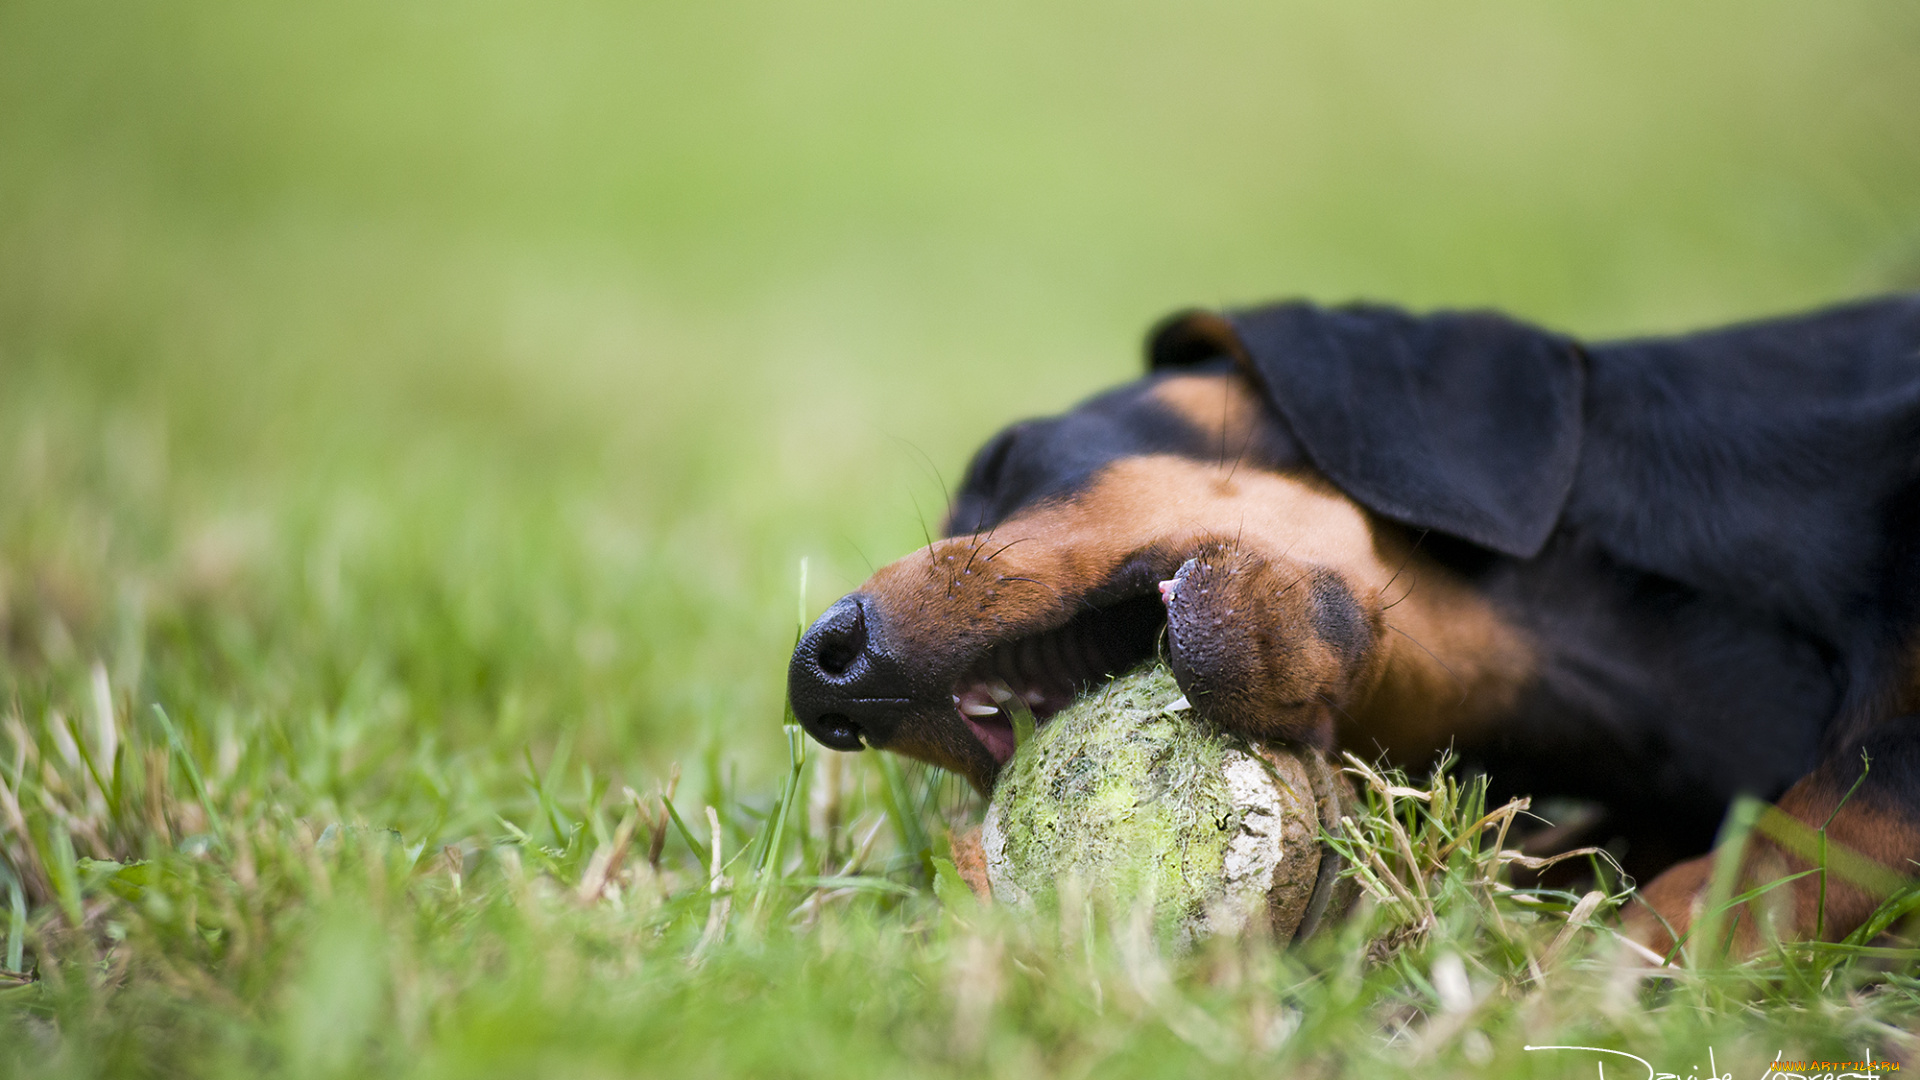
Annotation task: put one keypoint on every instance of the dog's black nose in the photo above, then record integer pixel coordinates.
(838, 681)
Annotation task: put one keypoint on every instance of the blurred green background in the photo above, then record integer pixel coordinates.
(425, 378)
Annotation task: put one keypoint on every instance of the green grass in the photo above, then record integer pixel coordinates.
(426, 408)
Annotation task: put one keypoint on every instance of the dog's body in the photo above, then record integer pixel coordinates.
(1654, 574)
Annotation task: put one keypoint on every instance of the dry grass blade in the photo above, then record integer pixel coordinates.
(719, 887)
(606, 859)
(1581, 914)
(1411, 839)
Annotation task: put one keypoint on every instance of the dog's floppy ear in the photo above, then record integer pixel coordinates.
(1191, 337)
(1465, 423)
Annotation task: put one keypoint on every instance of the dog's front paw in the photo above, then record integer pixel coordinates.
(1673, 916)
(1662, 914)
(1266, 648)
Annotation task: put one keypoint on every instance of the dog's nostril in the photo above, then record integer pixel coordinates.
(842, 637)
(838, 732)
(837, 655)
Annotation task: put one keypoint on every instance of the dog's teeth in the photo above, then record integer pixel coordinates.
(975, 709)
(1168, 588)
(999, 692)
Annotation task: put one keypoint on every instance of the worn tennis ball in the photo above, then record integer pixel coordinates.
(1135, 800)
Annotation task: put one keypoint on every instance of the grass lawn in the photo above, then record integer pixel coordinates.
(415, 418)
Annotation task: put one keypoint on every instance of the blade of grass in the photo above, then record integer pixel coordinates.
(1023, 723)
(768, 865)
(518, 834)
(720, 889)
(187, 765)
(1799, 838)
(906, 825)
(800, 605)
(562, 828)
(108, 792)
(64, 872)
(1820, 912)
(838, 881)
(686, 834)
(16, 921)
(1729, 854)
(1897, 908)
(595, 792)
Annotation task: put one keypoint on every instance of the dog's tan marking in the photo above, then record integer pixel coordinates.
(1454, 666)
(1887, 837)
(1677, 898)
(1222, 407)
(1446, 664)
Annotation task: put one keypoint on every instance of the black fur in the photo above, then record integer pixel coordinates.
(1467, 424)
(1034, 461)
(1711, 539)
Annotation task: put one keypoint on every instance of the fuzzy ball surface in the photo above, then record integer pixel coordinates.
(1128, 797)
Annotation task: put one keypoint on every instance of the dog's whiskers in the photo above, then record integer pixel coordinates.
(1006, 545)
(1381, 591)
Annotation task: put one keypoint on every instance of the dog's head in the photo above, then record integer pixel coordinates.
(1248, 503)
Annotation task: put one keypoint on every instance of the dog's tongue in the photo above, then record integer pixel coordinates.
(995, 733)
(983, 706)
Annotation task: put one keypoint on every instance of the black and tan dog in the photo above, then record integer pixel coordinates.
(1652, 574)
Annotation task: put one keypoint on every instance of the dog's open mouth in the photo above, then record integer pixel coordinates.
(1046, 671)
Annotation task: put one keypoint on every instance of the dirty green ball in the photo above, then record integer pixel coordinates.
(1127, 797)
